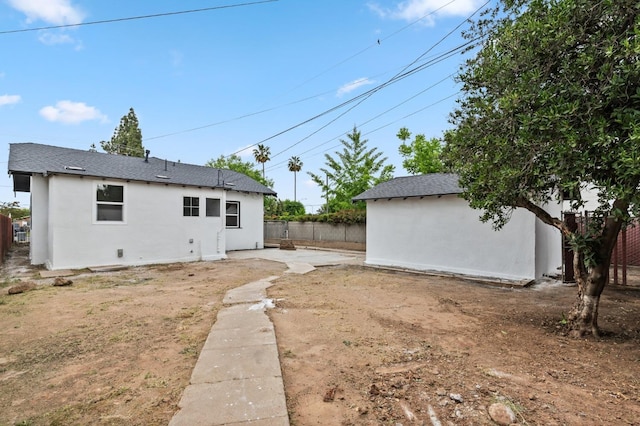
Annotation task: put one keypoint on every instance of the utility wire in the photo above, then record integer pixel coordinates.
(366, 95)
(132, 18)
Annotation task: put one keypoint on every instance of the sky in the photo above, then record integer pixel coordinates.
(216, 77)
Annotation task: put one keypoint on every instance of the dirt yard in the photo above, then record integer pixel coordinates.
(357, 347)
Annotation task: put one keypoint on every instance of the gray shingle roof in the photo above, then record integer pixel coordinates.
(413, 186)
(32, 158)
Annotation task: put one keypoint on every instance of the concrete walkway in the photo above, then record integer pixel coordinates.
(237, 378)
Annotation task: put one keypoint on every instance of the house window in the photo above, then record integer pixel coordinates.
(213, 207)
(233, 214)
(109, 203)
(191, 206)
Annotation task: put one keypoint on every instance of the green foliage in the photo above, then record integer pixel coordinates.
(262, 154)
(293, 208)
(295, 165)
(13, 209)
(235, 163)
(552, 104)
(420, 156)
(355, 170)
(345, 216)
(126, 139)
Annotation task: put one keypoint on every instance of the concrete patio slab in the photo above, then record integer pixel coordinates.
(241, 401)
(245, 362)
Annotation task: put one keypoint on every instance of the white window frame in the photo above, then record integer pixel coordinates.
(236, 215)
(97, 203)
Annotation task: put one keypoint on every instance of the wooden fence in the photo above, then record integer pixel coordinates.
(6, 236)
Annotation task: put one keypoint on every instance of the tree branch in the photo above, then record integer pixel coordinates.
(543, 215)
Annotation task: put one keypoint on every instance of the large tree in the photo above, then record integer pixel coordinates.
(127, 137)
(421, 155)
(295, 165)
(235, 163)
(551, 105)
(356, 169)
(262, 154)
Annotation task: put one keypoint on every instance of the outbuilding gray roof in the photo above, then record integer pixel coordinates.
(413, 186)
(33, 158)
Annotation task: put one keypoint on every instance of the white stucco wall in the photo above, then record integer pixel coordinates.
(38, 241)
(154, 229)
(445, 234)
(549, 245)
(250, 234)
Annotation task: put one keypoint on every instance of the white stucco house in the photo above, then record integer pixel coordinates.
(421, 223)
(96, 209)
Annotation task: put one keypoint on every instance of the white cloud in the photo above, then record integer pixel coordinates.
(351, 86)
(9, 99)
(51, 38)
(56, 12)
(425, 10)
(69, 112)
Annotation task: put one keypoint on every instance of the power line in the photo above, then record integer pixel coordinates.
(132, 18)
(366, 95)
(303, 83)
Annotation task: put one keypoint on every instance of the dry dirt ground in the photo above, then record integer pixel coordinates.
(357, 347)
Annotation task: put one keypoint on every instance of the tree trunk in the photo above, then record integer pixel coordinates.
(584, 315)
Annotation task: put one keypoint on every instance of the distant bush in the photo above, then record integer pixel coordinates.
(344, 216)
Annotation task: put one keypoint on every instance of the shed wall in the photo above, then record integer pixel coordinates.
(445, 234)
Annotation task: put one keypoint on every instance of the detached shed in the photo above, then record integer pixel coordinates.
(421, 223)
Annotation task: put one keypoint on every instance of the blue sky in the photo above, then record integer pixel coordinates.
(217, 82)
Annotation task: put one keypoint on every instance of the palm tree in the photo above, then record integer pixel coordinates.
(262, 154)
(295, 165)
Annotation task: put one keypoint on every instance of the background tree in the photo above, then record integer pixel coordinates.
(13, 209)
(262, 154)
(127, 137)
(420, 156)
(295, 165)
(552, 105)
(235, 163)
(293, 208)
(355, 170)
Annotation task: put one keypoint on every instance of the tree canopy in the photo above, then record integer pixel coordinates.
(355, 170)
(551, 105)
(127, 137)
(421, 155)
(13, 209)
(295, 165)
(235, 163)
(262, 154)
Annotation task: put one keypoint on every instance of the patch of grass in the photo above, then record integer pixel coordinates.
(190, 350)
(288, 354)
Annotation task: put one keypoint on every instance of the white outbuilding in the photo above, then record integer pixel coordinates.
(97, 209)
(421, 223)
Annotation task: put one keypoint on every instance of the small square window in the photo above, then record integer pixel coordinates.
(191, 206)
(109, 203)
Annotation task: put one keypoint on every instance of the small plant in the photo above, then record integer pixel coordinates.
(564, 320)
